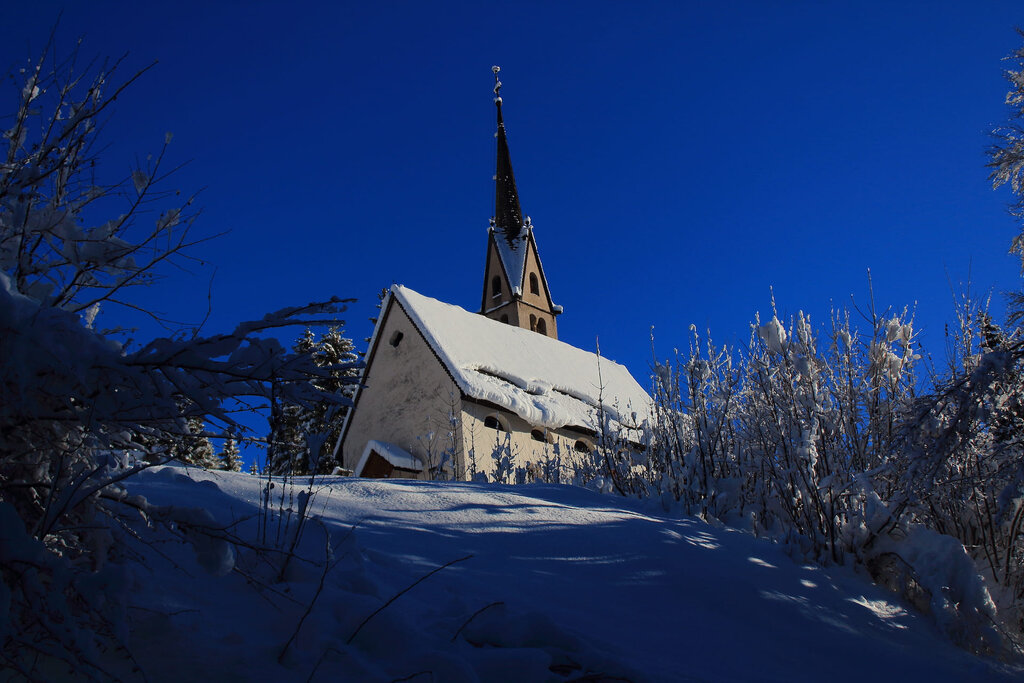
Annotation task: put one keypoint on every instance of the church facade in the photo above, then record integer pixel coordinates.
(450, 393)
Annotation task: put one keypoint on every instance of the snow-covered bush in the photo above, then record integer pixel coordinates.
(964, 459)
(820, 447)
(785, 438)
(694, 430)
(824, 445)
(819, 424)
(79, 413)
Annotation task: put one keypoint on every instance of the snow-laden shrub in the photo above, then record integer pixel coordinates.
(785, 437)
(805, 441)
(79, 413)
(935, 572)
(825, 447)
(694, 428)
(963, 473)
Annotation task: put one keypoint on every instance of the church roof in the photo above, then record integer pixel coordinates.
(546, 382)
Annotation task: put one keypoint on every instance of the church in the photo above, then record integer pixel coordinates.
(448, 393)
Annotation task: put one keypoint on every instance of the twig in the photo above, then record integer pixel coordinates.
(400, 594)
(474, 616)
(321, 661)
(312, 602)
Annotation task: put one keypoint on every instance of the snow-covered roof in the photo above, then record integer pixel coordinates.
(398, 457)
(544, 381)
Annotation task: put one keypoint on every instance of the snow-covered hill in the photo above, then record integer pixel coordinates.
(564, 584)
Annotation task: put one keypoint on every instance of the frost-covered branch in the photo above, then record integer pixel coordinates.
(80, 414)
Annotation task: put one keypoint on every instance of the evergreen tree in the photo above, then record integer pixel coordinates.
(195, 448)
(337, 352)
(230, 458)
(381, 296)
(286, 450)
(296, 428)
(1006, 156)
(190, 447)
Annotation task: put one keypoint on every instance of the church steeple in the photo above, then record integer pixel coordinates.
(508, 216)
(515, 289)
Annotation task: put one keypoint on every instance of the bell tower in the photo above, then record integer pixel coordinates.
(515, 289)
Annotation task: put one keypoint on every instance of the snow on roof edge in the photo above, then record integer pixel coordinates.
(446, 361)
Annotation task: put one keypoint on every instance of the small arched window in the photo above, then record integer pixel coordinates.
(533, 322)
(396, 339)
(534, 285)
(542, 326)
(492, 422)
(537, 435)
(504, 318)
(495, 286)
(581, 446)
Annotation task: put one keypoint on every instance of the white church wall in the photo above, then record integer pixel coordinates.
(407, 396)
(515, 437)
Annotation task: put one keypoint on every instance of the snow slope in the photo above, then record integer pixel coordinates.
(571, 583)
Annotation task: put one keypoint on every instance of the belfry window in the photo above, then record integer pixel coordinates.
(504, 318)
(534, 285)
(533, 322)
(542, 326)
(495, 286)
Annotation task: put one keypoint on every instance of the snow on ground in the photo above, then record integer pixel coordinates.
(570, 583)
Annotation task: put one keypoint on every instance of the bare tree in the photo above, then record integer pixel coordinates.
(79, 414)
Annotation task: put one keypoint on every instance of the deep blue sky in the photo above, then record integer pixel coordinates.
(678, 159)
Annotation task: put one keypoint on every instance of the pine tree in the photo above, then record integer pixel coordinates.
(190, 447)
(230, 459)
(196, 448)
(382, 295)
(287, 452)
(254, 469)
(296, 428)
(1006, 155)
(337, 352)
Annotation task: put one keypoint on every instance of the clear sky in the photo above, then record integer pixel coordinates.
(678, 159)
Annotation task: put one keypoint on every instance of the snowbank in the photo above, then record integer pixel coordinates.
(545, 583)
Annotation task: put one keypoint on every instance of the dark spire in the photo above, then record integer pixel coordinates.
(508, 217)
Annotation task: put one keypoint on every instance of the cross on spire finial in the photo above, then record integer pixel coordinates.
(497, 85)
